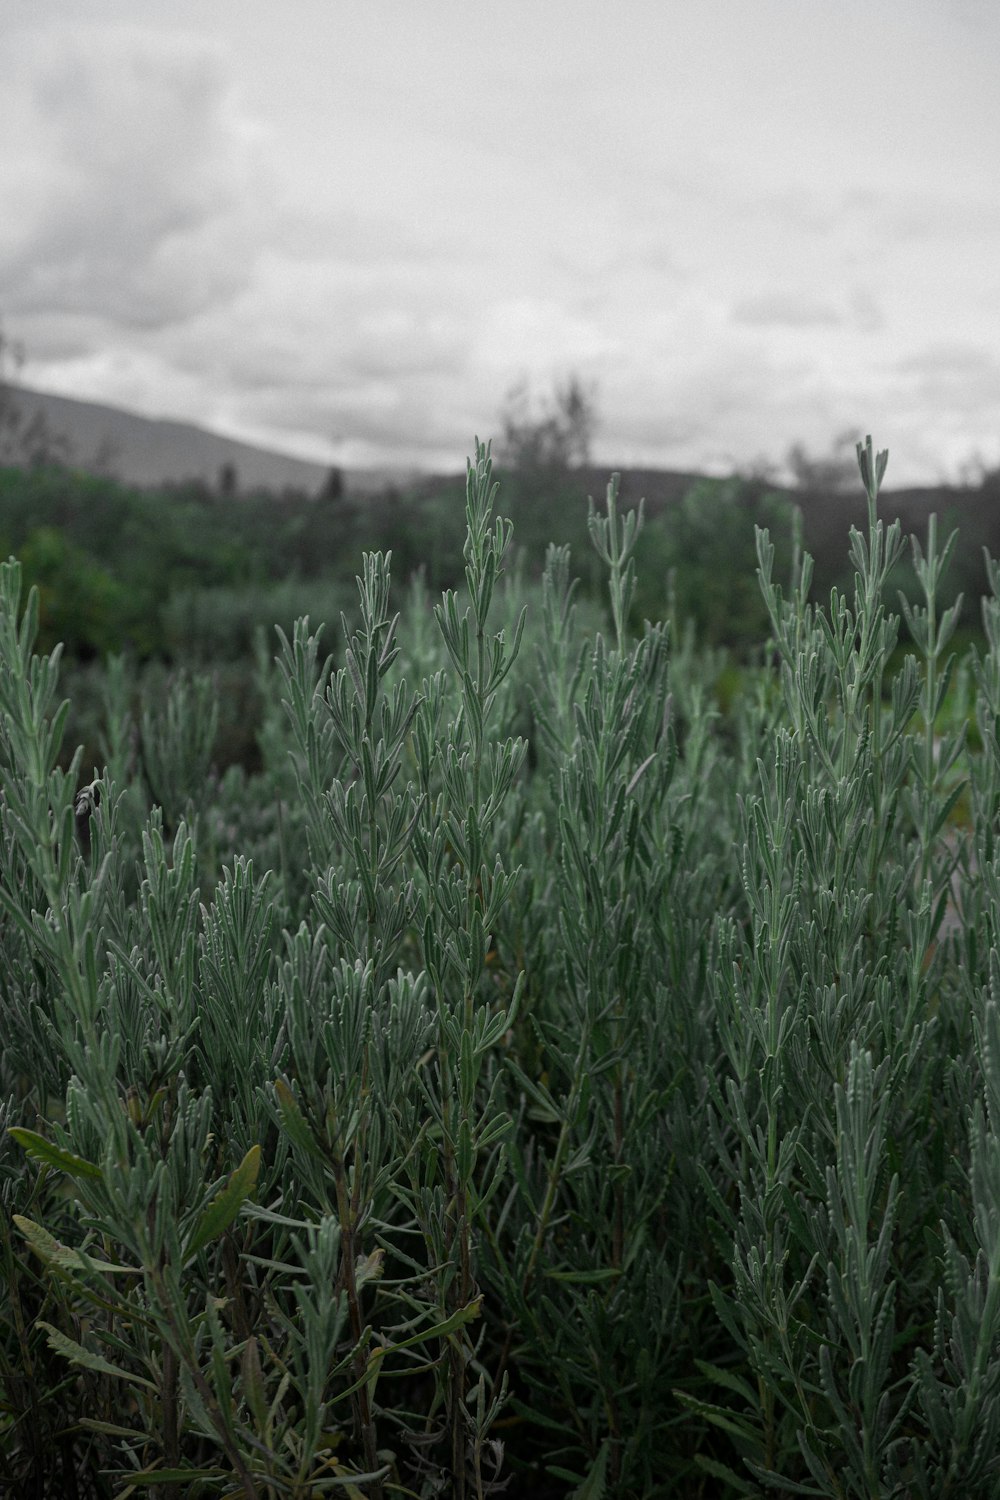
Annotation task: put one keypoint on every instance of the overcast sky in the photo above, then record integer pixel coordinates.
(346, 231)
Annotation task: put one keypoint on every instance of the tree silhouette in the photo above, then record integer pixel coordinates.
(836, 472)
(553, 435)
(25, 442)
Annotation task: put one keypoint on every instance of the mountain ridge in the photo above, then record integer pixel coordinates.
(151, 451)
(148, 452)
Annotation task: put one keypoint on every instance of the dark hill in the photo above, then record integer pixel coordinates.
(146, 452)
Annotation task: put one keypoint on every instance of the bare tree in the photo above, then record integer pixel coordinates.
(25, 442)
(552, 434)
(835, 473)
(11, 416)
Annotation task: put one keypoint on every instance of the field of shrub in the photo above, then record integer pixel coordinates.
(529, 1071)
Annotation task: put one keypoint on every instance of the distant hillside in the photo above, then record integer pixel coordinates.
(144, 452)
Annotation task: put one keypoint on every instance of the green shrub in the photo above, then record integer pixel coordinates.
(528, 1075)
(212, 624)
(702, 551)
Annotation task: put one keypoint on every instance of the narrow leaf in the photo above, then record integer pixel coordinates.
(586, 1278)
(168, 1476)
(90, 1361)
(294, 1121)
(53, 1156)
(49, 1249)
(723, 1471)
(226, 1204)
(592, 1487)
(458, 1319)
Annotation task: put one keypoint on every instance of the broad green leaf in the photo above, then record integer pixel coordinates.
(226, 1204)
(294, 1120)
(719, 1416)
(373, 1368)
(456, 1320)
(732, 1382)
(592, 1487)
(111, 1428)
(724, 1472)
(81, 1356)
(53, 1156)
(254, 1387)
(168, 1476)
(47, 1248)
(586, 1278)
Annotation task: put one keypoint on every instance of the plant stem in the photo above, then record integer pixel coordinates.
(349, 1247)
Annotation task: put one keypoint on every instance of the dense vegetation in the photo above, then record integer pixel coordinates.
(190, 573)
(119, 568)
(526, 1070)
(191, 577)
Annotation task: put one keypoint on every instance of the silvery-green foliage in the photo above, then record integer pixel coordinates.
(467, 783)
(181, 1046)
(562, 1063)
(177, 734)
(372, 813)
(842, 1024)
(207, 624)
(957, 1379)
(118, 737)
(241, 1032)
(617, 1021)
(614, 541)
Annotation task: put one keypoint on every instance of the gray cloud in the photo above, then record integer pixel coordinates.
(944, 395)
(866, 310)
(954, 216)
(784, 310)
(952, 360)
(297, 234)
(143, 172)
(421, 415)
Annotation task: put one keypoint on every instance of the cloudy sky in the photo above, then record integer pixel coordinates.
(347, 231)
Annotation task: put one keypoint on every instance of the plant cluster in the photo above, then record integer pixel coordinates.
(527, 1077)
(192, 576)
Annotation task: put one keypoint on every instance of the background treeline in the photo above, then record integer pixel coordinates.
(197, 576)
(193, 573)
(189, 574)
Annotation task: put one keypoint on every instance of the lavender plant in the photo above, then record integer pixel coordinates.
(567, 1080)
(465, 777)
(838, 1017)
